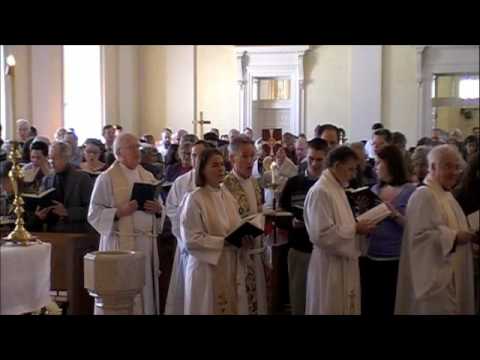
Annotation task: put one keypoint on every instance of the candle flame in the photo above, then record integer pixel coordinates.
(11, 60)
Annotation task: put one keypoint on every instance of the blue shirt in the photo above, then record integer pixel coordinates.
(386, 239)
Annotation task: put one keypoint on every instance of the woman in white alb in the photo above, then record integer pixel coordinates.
(215, 273)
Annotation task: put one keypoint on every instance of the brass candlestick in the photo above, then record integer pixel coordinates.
(19, 234)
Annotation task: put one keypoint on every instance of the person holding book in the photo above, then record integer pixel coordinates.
(215, 273)
(182, 186)
(333, 280)
(292, 199)
(37, 168)
(246, 190)
(118, 218)
(68, 212)
(436, 261)
(93, 151)
(379, 269)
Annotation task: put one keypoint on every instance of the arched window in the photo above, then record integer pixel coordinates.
(82, 95)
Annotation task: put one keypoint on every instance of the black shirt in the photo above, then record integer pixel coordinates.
(295, 191)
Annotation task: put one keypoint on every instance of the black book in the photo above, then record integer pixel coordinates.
(42, 200)
(93, 174)
(366, 205)
(143, 192)
(363, 199)
(251, 226)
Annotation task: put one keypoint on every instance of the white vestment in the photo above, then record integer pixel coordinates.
(215, 273)
(433, 278)
(175, 199)
(101, 214)
(333, 280)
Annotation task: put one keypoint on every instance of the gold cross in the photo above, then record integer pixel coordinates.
(201, 122)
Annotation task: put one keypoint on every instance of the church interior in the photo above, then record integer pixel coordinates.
(426, 94)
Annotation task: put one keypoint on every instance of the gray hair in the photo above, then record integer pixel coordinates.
(436, 155)
(237, 142)
(119, 140)
(64, 148)
(23, 122)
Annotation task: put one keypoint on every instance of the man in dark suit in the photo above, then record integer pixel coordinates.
(73, 189)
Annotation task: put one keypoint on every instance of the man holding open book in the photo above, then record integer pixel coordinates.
(129, 215)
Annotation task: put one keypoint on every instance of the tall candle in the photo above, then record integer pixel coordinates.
(274, 168)
(10, 72)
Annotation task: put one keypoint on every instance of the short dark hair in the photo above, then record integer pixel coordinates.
(106, 127)
(167, 130)
(118, 127)
(377, 126)
(200, 180)
(399, 139)
(39, 145)
(96, 142)
(395, 164)
(425, 141)
(202, 142)
(385, 133)
(33, 131)
(210, 136)
(318, 145)
(320, 129)
(340, 154)
(471, 139)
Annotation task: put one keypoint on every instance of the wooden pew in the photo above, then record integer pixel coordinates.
(68, 251)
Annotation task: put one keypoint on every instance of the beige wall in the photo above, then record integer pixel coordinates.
(166, 88)
(218, 87)
(399, 91)
(327, 90)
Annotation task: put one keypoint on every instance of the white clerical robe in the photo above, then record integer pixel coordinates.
(433, 278)
(146, 226)
(333, 280)
(215, 273)
(176, 290)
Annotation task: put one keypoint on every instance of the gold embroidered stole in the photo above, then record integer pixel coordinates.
(233, 185)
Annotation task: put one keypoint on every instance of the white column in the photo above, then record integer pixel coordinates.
(114, 278)
(366, 90)
(128, 73)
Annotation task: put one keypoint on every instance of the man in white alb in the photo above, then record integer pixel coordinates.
(121, 225)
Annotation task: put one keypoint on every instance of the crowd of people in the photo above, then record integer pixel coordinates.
(420, 259)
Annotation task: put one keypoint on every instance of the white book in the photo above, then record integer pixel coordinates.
(474, 221)
(376, 214)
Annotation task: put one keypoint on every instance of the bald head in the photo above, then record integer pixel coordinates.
(23, 129)
(445, 165)
(127, 150)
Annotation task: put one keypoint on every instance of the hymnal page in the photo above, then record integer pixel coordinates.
(474, 220)
(376, 214)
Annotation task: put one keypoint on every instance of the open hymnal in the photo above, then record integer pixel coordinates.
(143, 192)
(376, 214)
(366, 205)
(474, 221)
(253, 225)
(42, 200)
